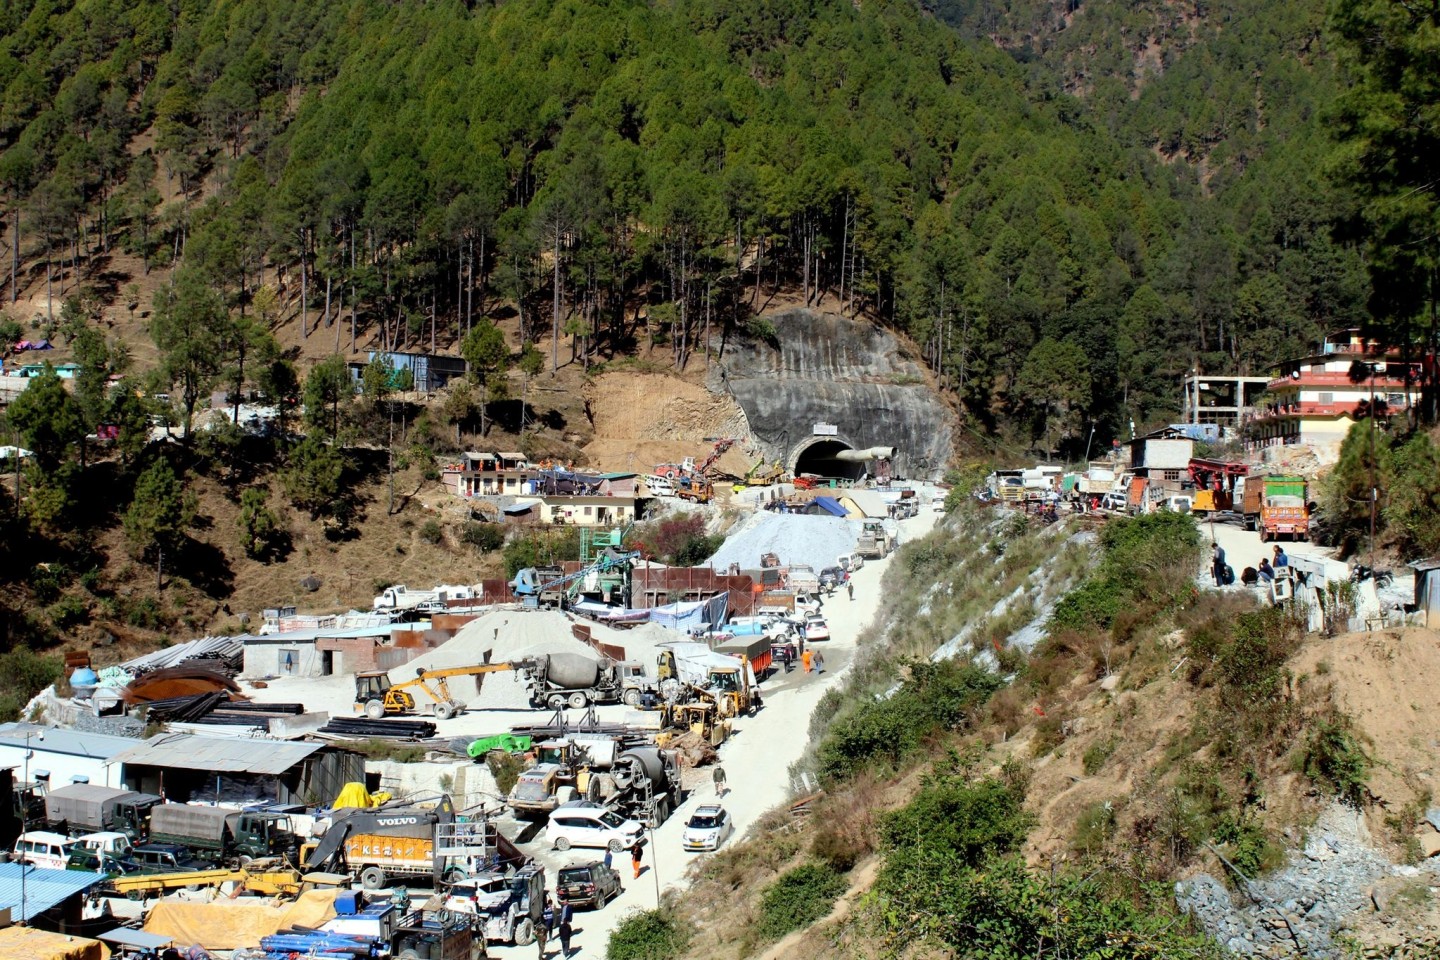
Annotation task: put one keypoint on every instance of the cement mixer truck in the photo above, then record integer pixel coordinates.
(560, 680)
(639, 781)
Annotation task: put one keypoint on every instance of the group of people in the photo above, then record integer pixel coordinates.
(1264, 572)
(559, 918)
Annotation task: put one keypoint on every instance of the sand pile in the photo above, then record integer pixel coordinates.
(514, 635)
(795, 538)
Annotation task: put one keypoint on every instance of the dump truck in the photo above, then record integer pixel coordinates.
(88, 808)
(1277, 506)
(400, 597)
(558, 680)
(218, 834)
(802, 578)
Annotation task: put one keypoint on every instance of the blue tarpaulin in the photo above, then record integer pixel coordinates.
(831, 506)
(692, 615)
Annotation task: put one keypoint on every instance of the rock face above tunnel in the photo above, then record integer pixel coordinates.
(834, 370)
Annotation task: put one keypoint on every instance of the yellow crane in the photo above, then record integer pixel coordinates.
(377, 697)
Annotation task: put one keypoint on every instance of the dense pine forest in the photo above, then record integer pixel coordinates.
(1066, 209)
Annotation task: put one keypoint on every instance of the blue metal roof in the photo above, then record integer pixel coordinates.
(43, 888)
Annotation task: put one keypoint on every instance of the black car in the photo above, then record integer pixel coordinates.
(154, 858)
(587, 884)
(832, 577)
(96, 861)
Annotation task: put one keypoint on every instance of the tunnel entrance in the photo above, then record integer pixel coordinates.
(819, 458)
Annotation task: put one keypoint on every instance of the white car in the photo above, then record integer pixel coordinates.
(584, 824)
(41, 848)
(816, 628)
(707, 828)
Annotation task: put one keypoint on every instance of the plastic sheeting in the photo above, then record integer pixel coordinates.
(230, 924)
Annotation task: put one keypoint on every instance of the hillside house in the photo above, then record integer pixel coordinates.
(1317, 399)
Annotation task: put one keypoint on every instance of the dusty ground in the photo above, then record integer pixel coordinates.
(1386, 681)
(643, 419)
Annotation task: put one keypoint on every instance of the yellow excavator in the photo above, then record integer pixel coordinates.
(378, 698)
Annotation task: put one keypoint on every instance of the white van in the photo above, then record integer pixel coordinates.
(108, 842)
(849, 562)
(43, 849)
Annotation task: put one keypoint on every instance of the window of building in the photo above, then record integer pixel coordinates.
(589, 511)
(1327, 398)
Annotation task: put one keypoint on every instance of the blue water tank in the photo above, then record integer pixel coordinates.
(84, 677)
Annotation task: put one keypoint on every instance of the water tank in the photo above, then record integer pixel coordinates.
(82, 682)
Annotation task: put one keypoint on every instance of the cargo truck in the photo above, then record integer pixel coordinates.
(222, 835)
(1277, 506)
(89, 808)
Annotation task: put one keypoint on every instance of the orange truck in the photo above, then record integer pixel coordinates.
(1277, 506)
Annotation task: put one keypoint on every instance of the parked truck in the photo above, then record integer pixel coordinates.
(219, 834)
(401, 597)
(87, 808)
(558, 680)
(802, 577)
(1277, 506)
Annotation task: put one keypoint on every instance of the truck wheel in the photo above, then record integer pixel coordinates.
(375, 709)
(562, 844)
(578, 701)
(524, 932)
(632, 697)
(444, 710)
(372, 878)
(555, 701)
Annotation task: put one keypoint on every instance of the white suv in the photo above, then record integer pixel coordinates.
(584, 824)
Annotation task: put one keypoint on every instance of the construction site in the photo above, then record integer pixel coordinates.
(442, 766)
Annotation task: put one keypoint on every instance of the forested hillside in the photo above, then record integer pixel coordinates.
(386, 174)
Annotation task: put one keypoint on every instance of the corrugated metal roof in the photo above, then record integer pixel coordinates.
(219, 754)
(71, 743)
(174, 656)
(1430, 563)
(43, 888)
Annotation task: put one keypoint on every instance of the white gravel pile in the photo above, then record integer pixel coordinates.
(794, 538)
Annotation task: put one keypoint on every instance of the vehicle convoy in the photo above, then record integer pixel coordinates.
(218, 834)
(643, 781)
(88, 808)
(378, 697)
(589, 884)
(558, 680)
(1277, 506)
(507, 906)
(401, 597)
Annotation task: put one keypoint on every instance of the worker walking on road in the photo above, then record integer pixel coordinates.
(850, 588)
(636, 852)
(819, 663)
(542, 930)
(719, 777)
(566, 929)
(805, 659)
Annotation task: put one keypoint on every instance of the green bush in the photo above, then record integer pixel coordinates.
(431, 532)
(968, 821)
(1334, 758)
(506, 768)
(1146, 563)
(647, 935)
(146, 613)
(26, 673)
(798, 898)
(1097, 754)
(936, 696)
(1093, 828)
(67, 612)
(484, 537)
